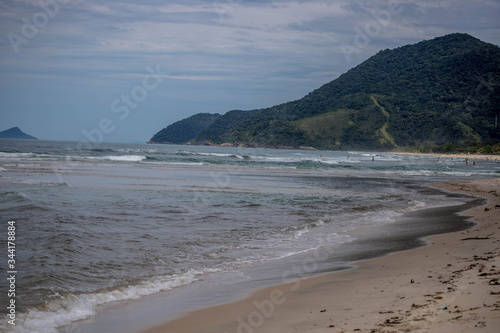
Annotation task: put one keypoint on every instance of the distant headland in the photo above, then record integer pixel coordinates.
(16, 133)
(439, 95)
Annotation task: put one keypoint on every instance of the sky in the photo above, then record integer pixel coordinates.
(121, 70)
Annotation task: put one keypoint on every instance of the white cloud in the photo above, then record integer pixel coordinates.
(95, 8)
(280, 15)
(235, 48)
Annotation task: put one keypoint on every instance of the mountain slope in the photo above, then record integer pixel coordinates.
(186, 129)
(15, 133)
(443, 90)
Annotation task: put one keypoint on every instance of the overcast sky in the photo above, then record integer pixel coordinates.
(121, 70)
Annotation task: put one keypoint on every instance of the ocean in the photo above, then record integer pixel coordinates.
(101, 227)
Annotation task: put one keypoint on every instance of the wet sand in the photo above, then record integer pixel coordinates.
(449, 286)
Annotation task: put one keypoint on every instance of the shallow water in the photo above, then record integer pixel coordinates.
(125, 221)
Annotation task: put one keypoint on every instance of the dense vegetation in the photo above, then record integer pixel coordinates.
(186, 129)
(437, 92)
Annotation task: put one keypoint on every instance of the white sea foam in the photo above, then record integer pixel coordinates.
(124, 158)
(22, 155)
(70, 308)
(221, 155)
(415, 205)
(149, 151)
(182, 163)
(177, 163)
(14, 155)
(376, 218)
(300, 232)
(300, 240)
(460, 174)
(215, 154)
(38, 157)
(410, 172)
(277, 159)
(326, 161)
(296, 159)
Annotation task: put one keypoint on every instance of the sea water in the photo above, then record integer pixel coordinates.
(103, 224)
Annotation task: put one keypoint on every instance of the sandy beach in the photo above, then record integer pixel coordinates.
(449, 286)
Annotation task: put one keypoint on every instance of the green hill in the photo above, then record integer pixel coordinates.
(185, 130)
(445, 90)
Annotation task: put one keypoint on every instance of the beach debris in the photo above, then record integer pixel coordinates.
(393, 321)
(412, 281)
(471, 266)
(445, 308)
(324, 310)
(486, 209)
(493, 282)
(477, 237)
(483, 258)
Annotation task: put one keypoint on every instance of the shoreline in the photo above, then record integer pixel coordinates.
(471, 157)
(490, 157)
(384, 294)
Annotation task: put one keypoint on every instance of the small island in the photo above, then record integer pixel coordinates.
(16, 133)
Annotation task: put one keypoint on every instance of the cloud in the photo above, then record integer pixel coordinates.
(280, 15)
(246, 53)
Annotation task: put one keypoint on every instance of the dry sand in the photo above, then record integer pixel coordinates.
(449, 286)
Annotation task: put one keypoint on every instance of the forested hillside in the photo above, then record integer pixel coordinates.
(186, 129)
(445, 90)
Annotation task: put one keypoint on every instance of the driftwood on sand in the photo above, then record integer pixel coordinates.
(477, 237)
